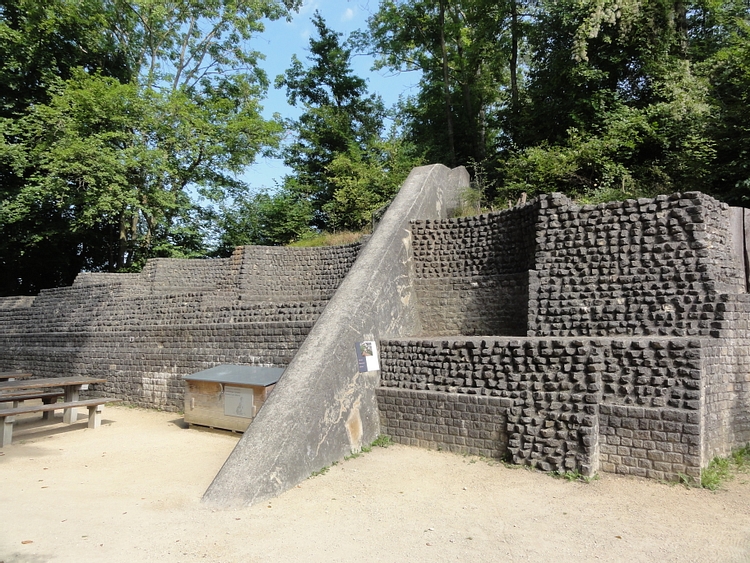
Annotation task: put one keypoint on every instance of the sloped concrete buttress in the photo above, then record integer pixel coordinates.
(323, 408)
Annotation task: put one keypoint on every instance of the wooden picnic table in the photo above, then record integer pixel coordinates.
(70, 385)
(11, 375)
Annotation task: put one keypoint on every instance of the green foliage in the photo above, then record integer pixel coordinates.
(339, 238)
(106, 163)
(269, 219)
(124, 124)
(574, 476)
(44, 42)
(363, 182)
(592, 99)
(724, 468)
(466, 51)
(323, 470)
(337, 136)
(660, 148)
(383, 441)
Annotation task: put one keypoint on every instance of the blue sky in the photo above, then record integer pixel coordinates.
(283, 39)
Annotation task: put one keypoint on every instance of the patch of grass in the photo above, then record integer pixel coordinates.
(723, 468)
(718, 471)
(741, 459)
(330, 239)
(469, 202)
(323, 470)
(382, 441)
(686, 480)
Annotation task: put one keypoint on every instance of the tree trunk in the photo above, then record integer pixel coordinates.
(446, 88)
(681, 27)
(514, 57)
(123, 243)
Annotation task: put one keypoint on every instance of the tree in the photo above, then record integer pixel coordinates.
(41, 43)
(339, 118)
(118, 159)
(720, 44)
(364, 183)
(465, 50)
(274, 219)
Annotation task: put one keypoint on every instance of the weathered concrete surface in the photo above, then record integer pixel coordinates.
(323, 409)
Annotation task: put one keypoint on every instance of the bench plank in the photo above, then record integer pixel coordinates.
(47, 398)
(8, 416)
(19, 395)
(11, 375)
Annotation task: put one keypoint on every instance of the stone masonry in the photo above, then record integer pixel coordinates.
(613, 337)
(143, 332)
(586, 338)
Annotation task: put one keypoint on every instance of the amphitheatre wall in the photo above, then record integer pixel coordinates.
(608, 337)
(143, 332)
(632, 348)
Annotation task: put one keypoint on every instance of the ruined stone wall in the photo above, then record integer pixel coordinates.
(638, 267)
(471, 274)
(636, 354)
(323, 408)
(309, 273)
(569, 338)
(457, 423)
(570, 404)
(726, 375)
(143, 332)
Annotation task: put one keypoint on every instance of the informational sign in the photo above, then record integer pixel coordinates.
(367, 356)
(238, 401)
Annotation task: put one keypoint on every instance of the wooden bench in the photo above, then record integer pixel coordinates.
(47, 398)
(12, 375)
(8, 416)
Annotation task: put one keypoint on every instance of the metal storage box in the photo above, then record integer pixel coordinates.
(228, 396)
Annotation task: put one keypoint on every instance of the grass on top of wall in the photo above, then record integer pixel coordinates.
(330, 239)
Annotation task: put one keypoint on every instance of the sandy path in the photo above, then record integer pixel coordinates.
(130, 491)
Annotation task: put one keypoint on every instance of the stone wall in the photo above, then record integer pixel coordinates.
(635, 267)
(308, 273)
(570, 404)
(634, 320)
(323, 408)
(143, 332)
(726, 376)
(471, 274)
(452, 422)
(612, 337)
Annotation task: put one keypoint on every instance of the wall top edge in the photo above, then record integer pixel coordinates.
(559, 200)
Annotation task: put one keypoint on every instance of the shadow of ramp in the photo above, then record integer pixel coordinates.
(323, 408)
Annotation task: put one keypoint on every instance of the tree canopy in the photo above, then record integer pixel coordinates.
(341, 163)
(112, 126)
(125, 124)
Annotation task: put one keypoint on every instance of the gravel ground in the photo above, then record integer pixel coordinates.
(131, 491)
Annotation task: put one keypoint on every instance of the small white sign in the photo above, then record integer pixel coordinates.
(238, 401)
(367, 356)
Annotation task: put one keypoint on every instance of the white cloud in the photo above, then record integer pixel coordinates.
(308, 7)
(348, 15)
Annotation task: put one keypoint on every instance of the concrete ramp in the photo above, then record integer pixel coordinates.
(323, 408)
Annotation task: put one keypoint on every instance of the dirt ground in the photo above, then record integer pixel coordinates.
(131, 491)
